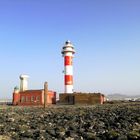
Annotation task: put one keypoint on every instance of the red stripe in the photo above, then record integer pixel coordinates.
(68, 60)
(68, 80)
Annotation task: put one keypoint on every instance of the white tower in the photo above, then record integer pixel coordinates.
(23, 82)
(68, 54)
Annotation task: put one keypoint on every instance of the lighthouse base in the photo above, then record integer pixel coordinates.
(81, 98)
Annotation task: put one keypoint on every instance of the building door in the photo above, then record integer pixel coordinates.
(71, 100)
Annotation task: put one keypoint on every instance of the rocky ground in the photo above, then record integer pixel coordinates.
(100, 122)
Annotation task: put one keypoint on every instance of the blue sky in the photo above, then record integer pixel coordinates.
(105, 33)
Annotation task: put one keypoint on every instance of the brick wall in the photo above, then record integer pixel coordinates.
(33, 97)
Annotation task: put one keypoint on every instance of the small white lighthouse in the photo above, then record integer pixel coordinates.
(68, 54)
(23, 82)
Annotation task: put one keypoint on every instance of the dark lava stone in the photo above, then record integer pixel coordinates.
(72, 134)
(113, 135)
(134, 135)
(122, 137)
(99, 122)
(51, 132)
(89, 136)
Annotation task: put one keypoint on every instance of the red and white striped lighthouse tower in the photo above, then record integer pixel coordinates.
(68, 52)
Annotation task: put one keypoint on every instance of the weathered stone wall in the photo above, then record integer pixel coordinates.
(81, 98)
(65, 98)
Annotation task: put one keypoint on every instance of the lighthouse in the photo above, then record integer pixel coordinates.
(68, 54)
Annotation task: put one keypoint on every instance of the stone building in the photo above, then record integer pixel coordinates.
(82, 98)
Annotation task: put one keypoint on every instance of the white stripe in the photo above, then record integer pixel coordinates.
(68, 54)
(68, 88)
(68, 70)
(68, 49)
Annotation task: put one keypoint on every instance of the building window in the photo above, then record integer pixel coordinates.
(38, 98)
(32, 98)
(22, 99)
(27, 99)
